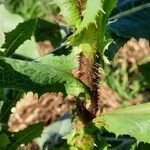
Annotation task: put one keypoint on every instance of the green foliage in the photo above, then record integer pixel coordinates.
(142, 146)
(48, 31)
(26, 135)
(90, 14)
(93, 26)
(102, 23)
(28, 50)
(87, 138)
(1, 94)
(67, 63)
(4, 141)
(8, 21)
(28, 8)
(133, 121)
(2, 37)
(69, 11)
(116, 77)
(77, 56)
(145, 74)
(39, 77)
(43, 30)
(8, 102)
(80, 141)
(16, 37)
(121, 24)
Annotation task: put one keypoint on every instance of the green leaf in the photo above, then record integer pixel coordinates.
(88, 23)
(94, 24)
(132, 120)
(4, 141)
(27, 135)
(48, 31)
(67, 63)
(2, 37)
(142, 146)
(39, 76)
(28, 49)
(86, 138)
(91, 12)
(1, 94)
(102, 22)
(127, 18)
(28, 8)
(10, 99)
(107, 7)
(8, 21)
(145, 74)
(86, 37)
(69, 11)
(20, 34)
(80, 140)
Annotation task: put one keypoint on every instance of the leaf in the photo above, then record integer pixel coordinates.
(2, 37)
(102, 22)
(86, 138)
(8, 21)
(86, 36)
(48, 31)
(89, 18)
(29, 8)
(144, 70)
(4, 141)
(129, 17)
(11, 96)
(142, 146)
(93, 26)
(69, 11)
(1, 94)
(90, 14)
(107, 7)
(80, 140)
(132, 120)
(27, 135)
(20, 34)
(89, 36)
(67, 63)
(39, 77)
(28, 49)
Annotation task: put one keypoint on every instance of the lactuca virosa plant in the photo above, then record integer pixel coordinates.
(75, 72)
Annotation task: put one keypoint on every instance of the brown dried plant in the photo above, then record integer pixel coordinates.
(109, 99)
(30, 109)
(134, 51)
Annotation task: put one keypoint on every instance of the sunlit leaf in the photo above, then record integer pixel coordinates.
(8, 21)
(2, 37)
(69, 11)
(133, 121)
(20, 34)
(39, 76)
